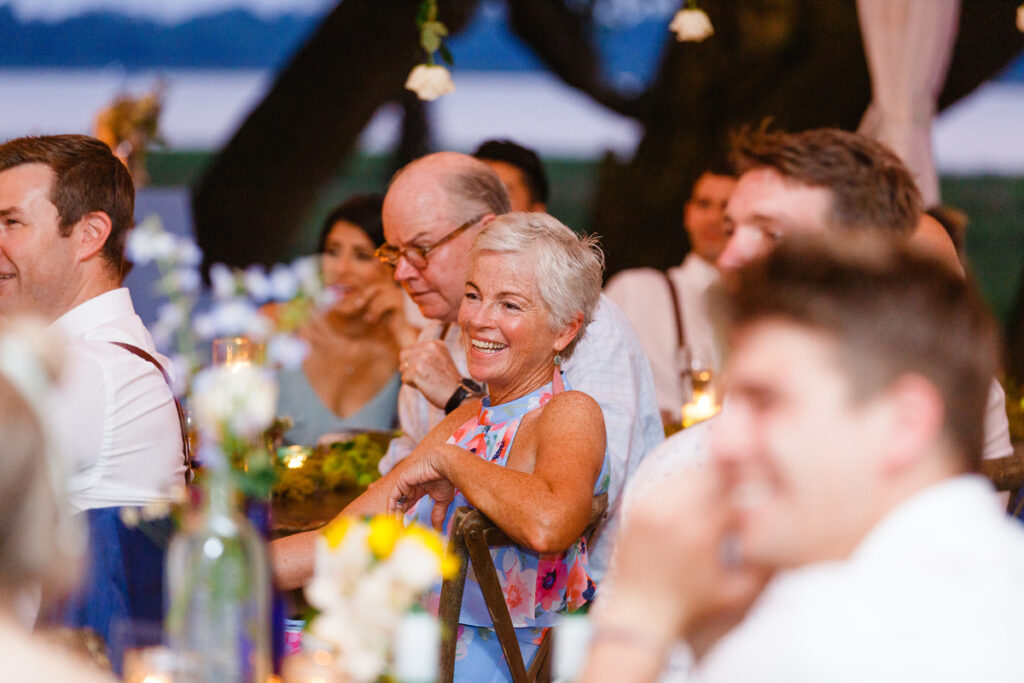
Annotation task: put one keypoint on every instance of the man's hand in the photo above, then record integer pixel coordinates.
(428, 366)
(674, 577)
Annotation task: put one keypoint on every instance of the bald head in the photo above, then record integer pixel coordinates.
(464, 184)
(427, 200)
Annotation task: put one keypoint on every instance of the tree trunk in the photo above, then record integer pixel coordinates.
(251, 200)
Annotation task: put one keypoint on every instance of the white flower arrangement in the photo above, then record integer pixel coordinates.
(239, 401)
(232, 406)
(236, 299)
(369, 575)
(691, 24)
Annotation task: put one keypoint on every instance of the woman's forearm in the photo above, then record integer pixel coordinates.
(542, 516)
(292, 559)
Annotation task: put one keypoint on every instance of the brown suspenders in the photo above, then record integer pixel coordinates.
(144, 355)
(680, 339)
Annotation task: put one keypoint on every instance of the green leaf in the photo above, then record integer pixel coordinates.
(423, 13)
(430, 41)
(446, 55)
(435, 27)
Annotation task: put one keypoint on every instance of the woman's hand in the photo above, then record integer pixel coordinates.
(418, 476)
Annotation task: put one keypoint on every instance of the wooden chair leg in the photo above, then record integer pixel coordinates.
(451, 607)
(487, 577)
(540, 668)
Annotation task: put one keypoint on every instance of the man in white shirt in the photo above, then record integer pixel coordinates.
(827, 182)
(857, 387)
(669, 310)
(432, 211)
(66, 206)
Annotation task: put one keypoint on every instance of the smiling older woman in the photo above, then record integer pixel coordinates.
(530, 454)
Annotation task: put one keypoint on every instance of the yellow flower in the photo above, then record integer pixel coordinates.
(385, 530)
(335, 531)
(448, 563)
(449, 566)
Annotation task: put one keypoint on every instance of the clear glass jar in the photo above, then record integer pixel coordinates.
(218, 591)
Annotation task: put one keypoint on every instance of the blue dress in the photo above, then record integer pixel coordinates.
(537, 587)
(313, 419)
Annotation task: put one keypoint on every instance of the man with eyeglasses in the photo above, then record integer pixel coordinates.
(433, 210)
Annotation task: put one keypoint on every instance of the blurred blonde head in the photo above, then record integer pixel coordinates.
(36, 544)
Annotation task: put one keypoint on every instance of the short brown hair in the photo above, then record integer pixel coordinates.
(871, 188)
(87, 177)
(891, 311)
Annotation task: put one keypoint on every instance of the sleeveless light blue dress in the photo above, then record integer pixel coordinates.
(538, 588)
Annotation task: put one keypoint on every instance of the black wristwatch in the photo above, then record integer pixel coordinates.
(467, 387)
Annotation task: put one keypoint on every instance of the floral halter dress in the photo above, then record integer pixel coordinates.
(537, 587)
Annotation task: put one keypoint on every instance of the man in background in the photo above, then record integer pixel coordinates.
(670, 309)
(830, 183)
(521, 172)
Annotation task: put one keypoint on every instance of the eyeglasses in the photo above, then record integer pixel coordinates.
(417, 256)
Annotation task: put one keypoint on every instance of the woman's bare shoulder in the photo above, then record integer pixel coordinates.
(572, 410)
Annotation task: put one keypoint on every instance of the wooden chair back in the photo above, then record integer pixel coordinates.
(471, 538)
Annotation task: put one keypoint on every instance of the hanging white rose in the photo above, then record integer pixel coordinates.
(691, 25)
(430, 81)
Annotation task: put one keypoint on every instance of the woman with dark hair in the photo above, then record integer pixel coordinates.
(350, 378)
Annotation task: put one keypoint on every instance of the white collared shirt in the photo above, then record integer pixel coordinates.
(113, 415)
(644, 296)
(608, 365)
(932, 593)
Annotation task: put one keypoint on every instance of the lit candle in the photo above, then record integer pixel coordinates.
(700, 408)
(237, 352)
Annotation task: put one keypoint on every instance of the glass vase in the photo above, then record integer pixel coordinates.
(218, 591)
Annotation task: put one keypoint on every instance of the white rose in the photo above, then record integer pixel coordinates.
(1020, 18)
(242, 397)
(430, 82)
(691, 25)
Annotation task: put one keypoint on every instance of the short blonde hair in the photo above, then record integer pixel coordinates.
(567, 267)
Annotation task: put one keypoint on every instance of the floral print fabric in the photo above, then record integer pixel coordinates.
(537, 587)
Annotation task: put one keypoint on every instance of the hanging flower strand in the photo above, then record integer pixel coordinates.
(431, 80)
(691, 24)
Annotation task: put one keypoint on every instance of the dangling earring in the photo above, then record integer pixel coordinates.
(557, 384)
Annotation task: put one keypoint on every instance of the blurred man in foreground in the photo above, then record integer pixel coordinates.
(857, 387)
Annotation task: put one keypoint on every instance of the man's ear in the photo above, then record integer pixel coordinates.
(916, 419)
(92, 232)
